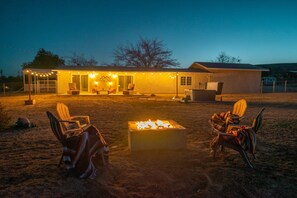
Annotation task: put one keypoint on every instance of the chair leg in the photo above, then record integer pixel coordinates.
(60, 161)
(103, 160)
(241, 152)
(214, 147)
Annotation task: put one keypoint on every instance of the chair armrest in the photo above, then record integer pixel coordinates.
(226, 134)
(242, 117)
(87, 118)
(72, 121)
(73, 132)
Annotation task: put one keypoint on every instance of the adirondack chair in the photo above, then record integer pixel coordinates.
(239, 138)
(78, 148)
(64, 114)
(221, 122)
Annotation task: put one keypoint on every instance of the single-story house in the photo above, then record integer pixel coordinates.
(236, 78)
(98, 79)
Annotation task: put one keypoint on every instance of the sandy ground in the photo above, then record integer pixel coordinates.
(29, 158)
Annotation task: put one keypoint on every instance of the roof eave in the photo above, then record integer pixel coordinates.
(232, 69)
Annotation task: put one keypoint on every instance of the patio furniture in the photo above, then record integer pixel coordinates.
(79, 147)
(221, 122)
(239, 138)
(64, 114)
(130, 89)
(200, 95)
(72, 89)
(217, 86)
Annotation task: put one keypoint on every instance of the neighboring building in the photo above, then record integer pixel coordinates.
(237, 78)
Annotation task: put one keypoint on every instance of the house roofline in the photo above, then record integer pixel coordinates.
(126, 69)
(200, 64)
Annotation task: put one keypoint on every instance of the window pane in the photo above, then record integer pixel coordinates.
(189, 80)
(183, 80)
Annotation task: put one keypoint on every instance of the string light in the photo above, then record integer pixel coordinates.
(39, 74)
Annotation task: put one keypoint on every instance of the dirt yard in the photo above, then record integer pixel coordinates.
(29, 158)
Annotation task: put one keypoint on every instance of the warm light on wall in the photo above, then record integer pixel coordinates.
(114, 76)
(92, 75)
(96, 83)
(110, 83)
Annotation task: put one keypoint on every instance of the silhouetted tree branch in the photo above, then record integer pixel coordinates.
(224, 58)
(80, 60)
(145, 53)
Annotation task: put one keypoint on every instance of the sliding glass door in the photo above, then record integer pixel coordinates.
(124, 81)
(81, 82)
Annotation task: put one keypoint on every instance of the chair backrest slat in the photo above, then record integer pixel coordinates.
(239, 107)
(63, 113)
(56, 127)
(257, 122)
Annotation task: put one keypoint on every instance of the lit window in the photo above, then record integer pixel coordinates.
(183, 80)
(189, 80)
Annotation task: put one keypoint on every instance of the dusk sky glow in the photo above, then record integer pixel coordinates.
(258, 32)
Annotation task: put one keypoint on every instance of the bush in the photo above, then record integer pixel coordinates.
(4, 118)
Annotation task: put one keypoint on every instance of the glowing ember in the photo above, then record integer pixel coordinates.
(159, 124)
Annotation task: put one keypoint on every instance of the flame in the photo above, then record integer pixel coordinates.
(159, 124)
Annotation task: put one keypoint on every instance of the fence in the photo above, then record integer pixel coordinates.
(11, 87)
(279, 86)
(42, 86)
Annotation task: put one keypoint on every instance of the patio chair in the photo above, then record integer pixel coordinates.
(129, 90)
(221, 122)
(239, 138)
(64, 114)
(72, 89)
(78, 148)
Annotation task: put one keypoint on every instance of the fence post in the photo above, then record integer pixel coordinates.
(285, 85)
(273, 87)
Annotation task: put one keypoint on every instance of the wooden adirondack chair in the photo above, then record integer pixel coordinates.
(222, 124)
(239, 108)
(239, 138)
(64, 114)
(77, 149)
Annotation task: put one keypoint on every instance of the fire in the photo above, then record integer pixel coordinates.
(159, 124)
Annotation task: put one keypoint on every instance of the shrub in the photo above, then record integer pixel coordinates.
(4, 118)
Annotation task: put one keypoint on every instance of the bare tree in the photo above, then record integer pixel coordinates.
(80, 60)
(145, 53)
(224, 58)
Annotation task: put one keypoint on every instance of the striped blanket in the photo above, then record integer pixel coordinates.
(245, 137)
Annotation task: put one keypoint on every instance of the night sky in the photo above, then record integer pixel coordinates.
(257, 32)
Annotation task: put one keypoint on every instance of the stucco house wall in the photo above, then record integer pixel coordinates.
(145, 82)
(238, 81)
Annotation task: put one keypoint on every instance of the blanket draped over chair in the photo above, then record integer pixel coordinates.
(79, 147)
(240, 138)
(220, 122)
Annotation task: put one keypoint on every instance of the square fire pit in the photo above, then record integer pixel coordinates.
(158, 134)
